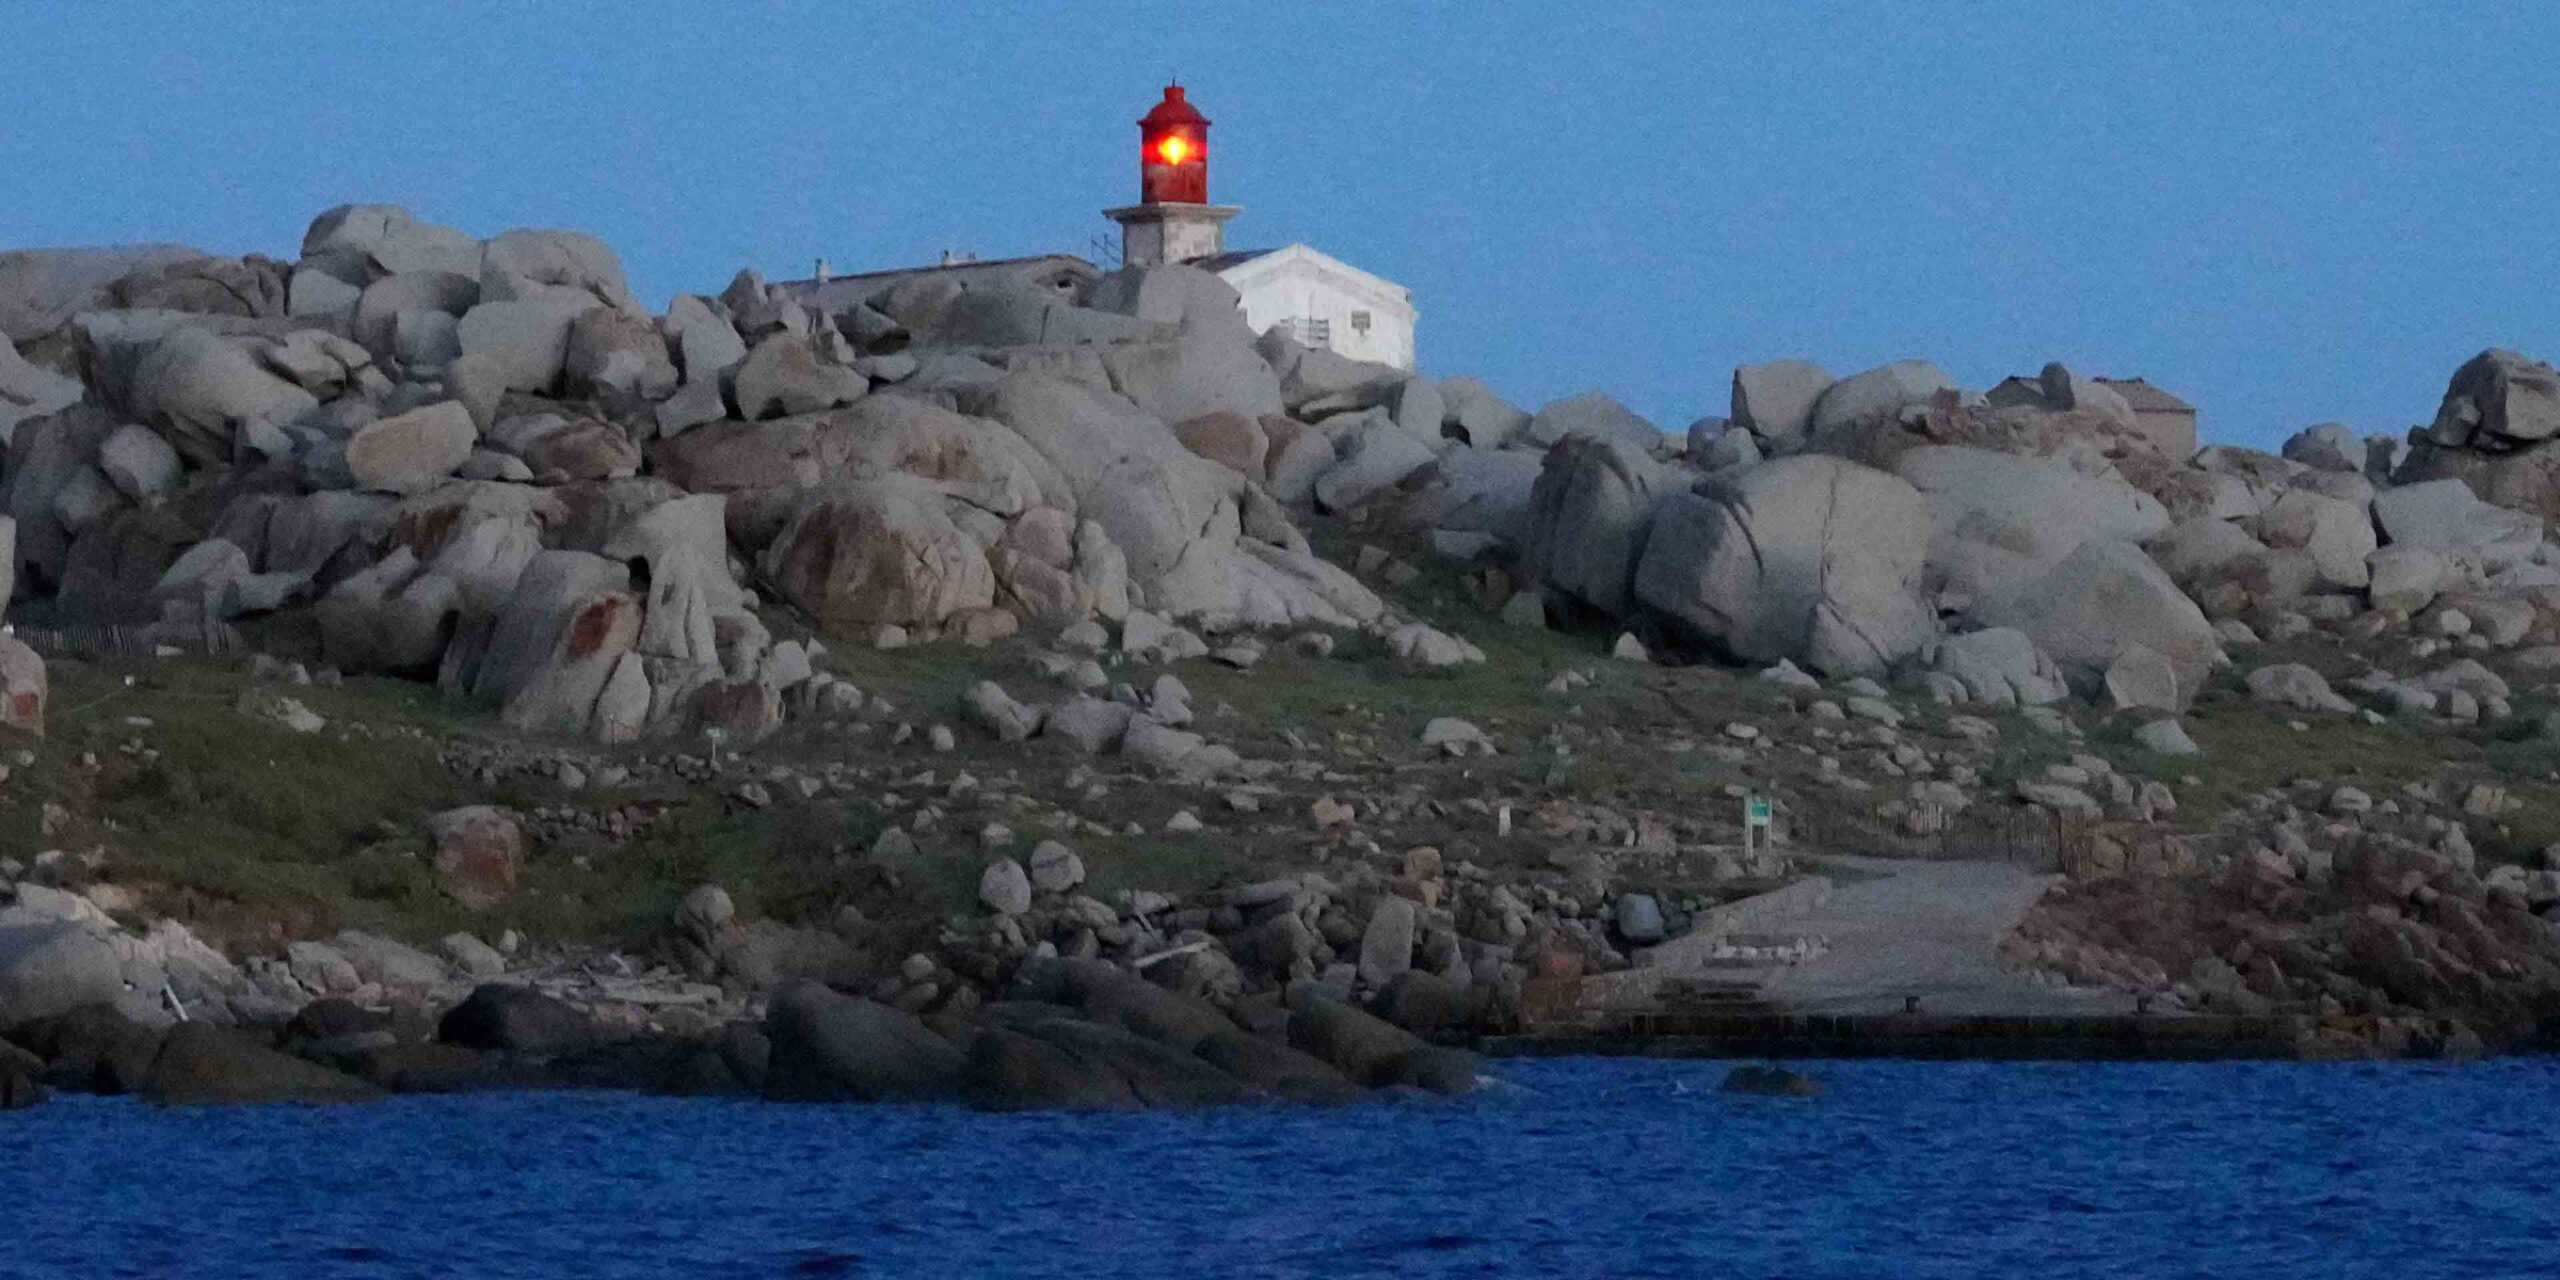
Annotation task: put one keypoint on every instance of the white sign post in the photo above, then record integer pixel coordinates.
(1756, 815)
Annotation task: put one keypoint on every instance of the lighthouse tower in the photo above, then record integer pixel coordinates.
(1173, 220)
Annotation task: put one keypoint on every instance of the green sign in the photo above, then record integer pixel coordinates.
(1756, 811)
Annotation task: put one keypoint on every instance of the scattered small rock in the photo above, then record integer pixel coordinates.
(1055, 868)
(1005, 887)
(2168, 738)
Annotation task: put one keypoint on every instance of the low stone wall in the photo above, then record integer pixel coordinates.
(2043, 1038)
(1761, 913)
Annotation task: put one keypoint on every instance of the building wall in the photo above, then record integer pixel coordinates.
(1059, 274)
(2173, 431)
(1147, 244)
(1292, 289)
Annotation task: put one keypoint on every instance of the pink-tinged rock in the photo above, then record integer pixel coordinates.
(23, 691)
(414, 451)
(479, 854)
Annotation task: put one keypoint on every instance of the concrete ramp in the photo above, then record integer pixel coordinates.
(1893, 929)
(1827, 969)
(1856, 936)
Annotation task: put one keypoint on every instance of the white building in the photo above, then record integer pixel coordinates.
(1316, 298)
(1321, 301)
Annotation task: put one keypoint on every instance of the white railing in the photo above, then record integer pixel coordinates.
(1308, 331)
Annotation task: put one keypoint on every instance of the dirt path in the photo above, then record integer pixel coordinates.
(1894, 928)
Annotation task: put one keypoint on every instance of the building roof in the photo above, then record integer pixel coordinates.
(1175, 109)
(2146, 398)
(1232, 258)
(1242, 268)
(970, 265)
(2016, 390)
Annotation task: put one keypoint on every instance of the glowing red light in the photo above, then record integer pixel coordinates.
(1175, 149)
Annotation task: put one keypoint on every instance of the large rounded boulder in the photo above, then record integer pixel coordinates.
(2107, 599)
(870, 552)
(1999, 667)
(1124, 467)
(831, 1047)
(209, 396)
(1208, 365)
(1808, 558)
(1998, 519)
(1041, 1060)
(1369, 1050)
(200, 1063)
(2525, 480)
(2497, 401)
(1872, 398)
(499, 1018)
(52, 967)
(1586, 519)
(1774, 401)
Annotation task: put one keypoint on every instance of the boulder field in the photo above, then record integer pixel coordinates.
(484, 462)
(640, 551)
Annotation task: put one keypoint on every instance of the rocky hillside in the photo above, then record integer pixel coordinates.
(427, 587)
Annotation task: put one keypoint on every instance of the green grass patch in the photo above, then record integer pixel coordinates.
(235, 816)
(796, 860)
(1182, 863)
(926, 680)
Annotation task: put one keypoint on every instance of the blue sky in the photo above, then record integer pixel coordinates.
(2287, 213)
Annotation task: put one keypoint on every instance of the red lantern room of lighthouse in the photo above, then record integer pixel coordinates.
(1173, 152)
(1173, 220)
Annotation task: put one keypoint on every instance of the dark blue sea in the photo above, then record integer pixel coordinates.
(1585, 1169)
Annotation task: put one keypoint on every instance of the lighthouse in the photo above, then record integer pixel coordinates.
(1173, 220)
(1314, 298)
